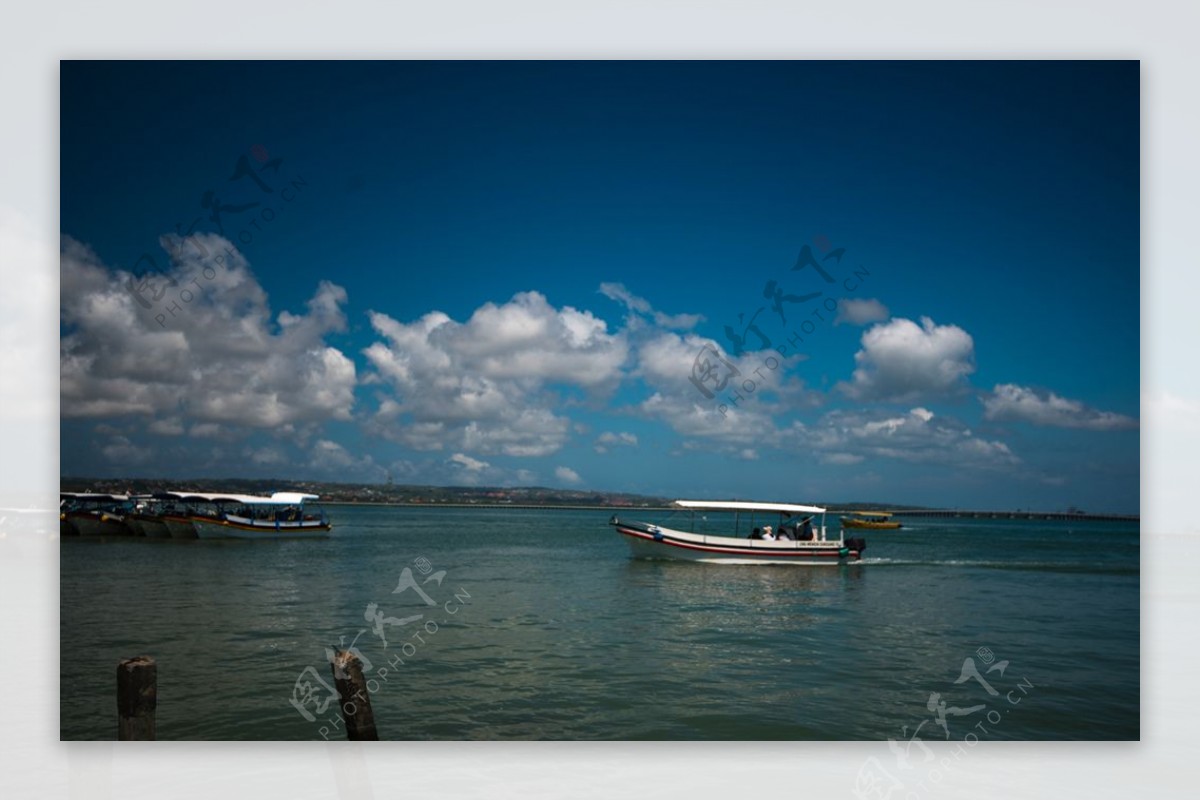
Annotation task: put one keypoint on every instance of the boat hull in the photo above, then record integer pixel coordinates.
(148, 526)
(244, 529)
(180, 528)
(652, 542)
(92, 524)
(848, 523)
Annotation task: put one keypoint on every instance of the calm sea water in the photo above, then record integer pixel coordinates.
(543, 627)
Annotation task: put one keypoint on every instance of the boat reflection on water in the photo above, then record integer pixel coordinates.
(759, 589)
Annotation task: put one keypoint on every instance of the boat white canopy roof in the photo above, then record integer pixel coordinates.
(292, 497)
(747, 506)
(189, 495)
(276, 499)
(92, 496)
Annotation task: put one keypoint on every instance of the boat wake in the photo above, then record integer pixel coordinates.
(994, 564)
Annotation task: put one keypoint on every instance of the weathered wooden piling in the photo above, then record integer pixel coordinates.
(137, 698)
(353, 698)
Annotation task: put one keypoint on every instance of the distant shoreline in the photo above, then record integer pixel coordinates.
(537, 506)
(950, 513)
(421, 496)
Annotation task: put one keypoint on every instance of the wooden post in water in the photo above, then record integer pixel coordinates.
(137, 698)
(353, 698)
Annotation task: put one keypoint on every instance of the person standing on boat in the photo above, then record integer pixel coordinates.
(806, 532)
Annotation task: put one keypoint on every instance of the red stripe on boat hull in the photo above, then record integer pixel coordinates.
(758, 552)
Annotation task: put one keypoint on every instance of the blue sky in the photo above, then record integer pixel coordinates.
(504, 272)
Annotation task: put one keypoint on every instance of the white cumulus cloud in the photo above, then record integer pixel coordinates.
(918, 435)
(609, 439)
(567, 475)
(860, 312)
(841, 458)
(467, 463)
(218, 359)
(120, 450)
(489, 384)
(902, 361)
(1044, 408)
(639, 306)
(666, 363)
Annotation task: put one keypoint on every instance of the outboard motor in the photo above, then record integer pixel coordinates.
(856, 544)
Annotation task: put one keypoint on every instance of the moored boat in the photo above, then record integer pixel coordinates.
(97, 515)
(66, 528)
(784, 534)
(192, 515)
(146, 517)
(282, 514)
(875, 520)
(148, 525)
(179, 525)
(178, 509)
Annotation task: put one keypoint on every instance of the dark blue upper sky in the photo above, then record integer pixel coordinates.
(999, 200)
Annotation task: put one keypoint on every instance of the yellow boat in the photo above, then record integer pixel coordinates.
(870, 520)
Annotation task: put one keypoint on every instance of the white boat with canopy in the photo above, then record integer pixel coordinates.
(146, 517)
(740, 532)
(282, 514)
(94, 514)
(179, 509)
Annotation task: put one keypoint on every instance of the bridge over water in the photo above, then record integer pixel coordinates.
(1008, 515)
(907, 513)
